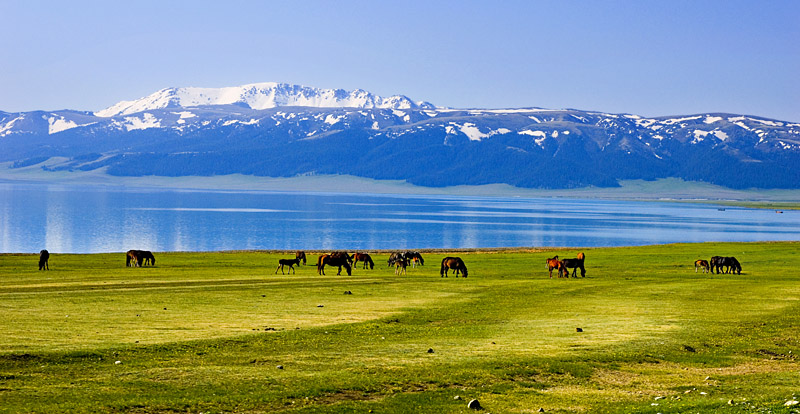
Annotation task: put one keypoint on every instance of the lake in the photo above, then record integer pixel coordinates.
(69, 219)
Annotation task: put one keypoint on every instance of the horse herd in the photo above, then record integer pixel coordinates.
(564, 265)
(401, 260)
(730, 264)
(139, 258)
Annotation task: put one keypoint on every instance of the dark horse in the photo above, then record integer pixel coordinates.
(147, 256)
(300, 255)
(575, 264)
(340, 259)
(454, 263)
(44, 256)
(137, 258)
(730, 264)
(415, 258)
(287, 262)
(362, 257)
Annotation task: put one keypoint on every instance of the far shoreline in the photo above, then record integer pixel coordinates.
(663, 190)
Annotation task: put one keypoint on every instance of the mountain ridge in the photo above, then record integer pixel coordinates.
(423, 144)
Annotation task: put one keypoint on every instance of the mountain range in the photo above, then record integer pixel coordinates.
(283, 130)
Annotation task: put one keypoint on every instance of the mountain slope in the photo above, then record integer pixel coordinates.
(359, 134)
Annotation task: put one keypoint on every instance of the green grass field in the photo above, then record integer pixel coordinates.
(220, 332)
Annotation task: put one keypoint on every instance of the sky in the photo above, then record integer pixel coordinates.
(650, 58)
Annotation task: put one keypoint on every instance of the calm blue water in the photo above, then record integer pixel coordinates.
(67, 219)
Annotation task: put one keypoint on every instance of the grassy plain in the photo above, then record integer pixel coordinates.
(220, 332)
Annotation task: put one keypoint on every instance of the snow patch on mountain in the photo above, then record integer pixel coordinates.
(9, 126)
(131, 123)
(261, 96)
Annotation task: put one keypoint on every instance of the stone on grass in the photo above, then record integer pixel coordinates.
(791, 403)
(430, 350)
(474, 404)
(279, 367)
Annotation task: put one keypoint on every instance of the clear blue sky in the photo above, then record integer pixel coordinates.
(643, 57)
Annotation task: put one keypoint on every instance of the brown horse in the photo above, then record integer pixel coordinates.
(340, 259)
(362, 257)
(554, 263)
(701, 264)
(287, 262)
(44, 256)
(454, 263)
(300, 255)
(132, 259)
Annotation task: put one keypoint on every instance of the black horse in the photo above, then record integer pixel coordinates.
(147, 257)
(44, 256)
(415, 258)
(730, 264)
(574, 264)
(287, 262)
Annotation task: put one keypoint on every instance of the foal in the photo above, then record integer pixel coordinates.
(287, 262)
(702, 264)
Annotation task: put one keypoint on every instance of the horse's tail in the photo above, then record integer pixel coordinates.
(441, 271)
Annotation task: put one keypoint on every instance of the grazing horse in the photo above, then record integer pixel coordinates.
(44, 256)
(300, 255)
(454, 263)
(362, 257)
(287, 262)
(701, 264)
(415, 258)
(729, 263)
(147, 257)
(396, 256)
(334, 259)
(554, 263)
(575, 264)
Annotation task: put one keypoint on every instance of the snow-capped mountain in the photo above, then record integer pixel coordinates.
(260, 96)
(281, 130)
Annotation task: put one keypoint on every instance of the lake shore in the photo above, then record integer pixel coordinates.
(669, 189)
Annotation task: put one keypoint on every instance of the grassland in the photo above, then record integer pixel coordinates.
(219, 332)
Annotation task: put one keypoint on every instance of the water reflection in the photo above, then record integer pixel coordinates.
(84, 219)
